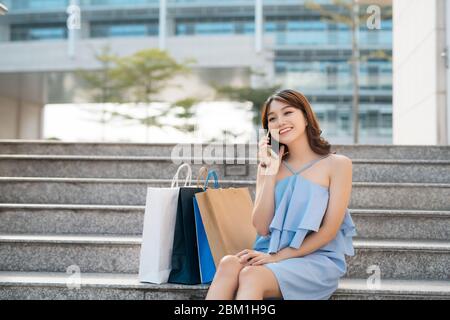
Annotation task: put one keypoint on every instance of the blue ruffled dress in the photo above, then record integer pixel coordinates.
(300, 206)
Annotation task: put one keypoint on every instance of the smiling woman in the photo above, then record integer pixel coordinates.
(297, 107)
(301, 217)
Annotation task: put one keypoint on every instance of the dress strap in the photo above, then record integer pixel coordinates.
(288, 167)
(306, 166)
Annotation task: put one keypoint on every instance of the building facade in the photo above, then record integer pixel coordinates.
(421, 72)
(287, 41)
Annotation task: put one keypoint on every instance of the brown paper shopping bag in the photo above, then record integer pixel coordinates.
(227, 218)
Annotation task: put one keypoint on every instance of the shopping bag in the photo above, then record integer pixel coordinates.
(158, 232)
(227, 219)
(185, 266)
(206, 261)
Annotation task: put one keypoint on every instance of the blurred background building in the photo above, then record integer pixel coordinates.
(421, 72)
(291, 45)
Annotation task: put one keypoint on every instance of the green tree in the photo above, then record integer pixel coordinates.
(183, 110)
(143, 75)
(103, 84)
(256, 96)
(138, 78)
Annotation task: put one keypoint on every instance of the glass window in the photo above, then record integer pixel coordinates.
(123, 29)
(344, 122)
(181, 29)
(38, 4)
(386, 24)
(270, 27)
(116, 2)
(372, 119)
(314, 75)
(332, 80)
(248, 27)
(214, 28)
(38, 32)
(386, 120)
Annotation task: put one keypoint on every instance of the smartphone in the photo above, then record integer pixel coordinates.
(274, 144)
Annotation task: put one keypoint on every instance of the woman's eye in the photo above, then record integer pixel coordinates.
(288, 112)
(271, 119)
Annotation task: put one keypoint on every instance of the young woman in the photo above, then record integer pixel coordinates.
(300, 213)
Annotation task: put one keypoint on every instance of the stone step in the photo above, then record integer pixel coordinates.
(402, 224)
(128, 220)
(365, 195)
(396, 259)
(102, 286)
(363, 151)
(157, 167)
(401, 259)
(71, 219)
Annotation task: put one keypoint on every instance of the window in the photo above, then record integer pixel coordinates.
(372, 77)
(38, 4)
(372, 119)
(332, 77)
(386, 120)
(344, 122)
(123, 29)
(216, 26)
(38, 32)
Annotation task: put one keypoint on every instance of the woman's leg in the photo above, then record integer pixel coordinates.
(257, 283)
(226, 279)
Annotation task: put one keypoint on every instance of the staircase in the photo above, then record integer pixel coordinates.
(66, 207)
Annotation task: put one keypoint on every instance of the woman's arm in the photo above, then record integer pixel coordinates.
(264, 207)
(340, 192)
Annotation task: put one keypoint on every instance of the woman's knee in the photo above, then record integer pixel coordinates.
(255, 278)
(249, 276)
(229, 264)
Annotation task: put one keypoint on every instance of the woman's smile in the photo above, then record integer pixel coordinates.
(285, 130)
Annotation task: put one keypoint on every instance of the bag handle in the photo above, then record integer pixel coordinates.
(216, 180)
(202, 173)
(188, 176)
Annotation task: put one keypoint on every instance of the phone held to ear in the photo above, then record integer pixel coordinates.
(274, 145)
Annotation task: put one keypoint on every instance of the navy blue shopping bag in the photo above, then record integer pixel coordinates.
(185, 267)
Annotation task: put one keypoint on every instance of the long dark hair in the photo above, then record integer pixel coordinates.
(297, 100)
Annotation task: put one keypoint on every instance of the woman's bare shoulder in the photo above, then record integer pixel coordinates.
(340, 163)
(339, 158)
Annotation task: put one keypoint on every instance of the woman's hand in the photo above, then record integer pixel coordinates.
(255, 258)
(269, 160)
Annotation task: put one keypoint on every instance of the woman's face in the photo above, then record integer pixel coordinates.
(288, 121)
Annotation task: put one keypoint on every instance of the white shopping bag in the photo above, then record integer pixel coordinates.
(159, 229)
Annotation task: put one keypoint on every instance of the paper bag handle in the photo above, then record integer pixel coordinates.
(188, 176)
(216, 182)
(202, 173)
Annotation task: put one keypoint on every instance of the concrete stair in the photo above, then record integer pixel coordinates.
(420, 196)
(38, 147)
(128, 220)
(120, 167)
(82, 204)
(398, 259)
(51, 286)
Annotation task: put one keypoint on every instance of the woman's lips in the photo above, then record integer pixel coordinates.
(285, 131)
